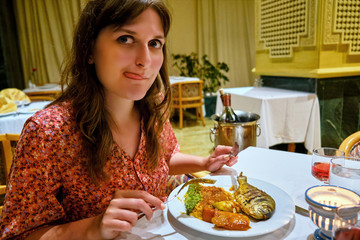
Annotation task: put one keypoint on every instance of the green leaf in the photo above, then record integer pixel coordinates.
(213, 76)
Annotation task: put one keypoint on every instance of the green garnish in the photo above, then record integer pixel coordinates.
(192, 197)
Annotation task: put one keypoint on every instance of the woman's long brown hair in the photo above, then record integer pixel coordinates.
(86, 93)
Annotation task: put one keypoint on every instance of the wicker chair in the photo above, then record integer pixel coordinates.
(351, 145)
(7, 147)
(188, 94)
(49, 95)
(42, 98)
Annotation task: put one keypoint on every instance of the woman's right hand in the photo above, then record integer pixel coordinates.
(122, 213)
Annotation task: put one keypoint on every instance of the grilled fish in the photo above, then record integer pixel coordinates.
(253, 201)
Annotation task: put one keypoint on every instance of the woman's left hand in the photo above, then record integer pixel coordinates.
(221, 156)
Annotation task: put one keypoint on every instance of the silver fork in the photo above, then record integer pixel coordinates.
(197, 180)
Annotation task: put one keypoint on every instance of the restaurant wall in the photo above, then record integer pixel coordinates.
(313, 46)
(223, 30)
(183, 33)
(182, 38)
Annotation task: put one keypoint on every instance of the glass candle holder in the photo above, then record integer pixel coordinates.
(323, 201)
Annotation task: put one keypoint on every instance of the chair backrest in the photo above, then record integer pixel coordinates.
(187, 94)
(351, 145)
(7, 147)
(42, 98)
(48, 95)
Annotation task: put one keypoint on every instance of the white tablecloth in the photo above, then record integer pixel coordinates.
(14, 122)
(44, 88)
(176, 79)
(289, 171)
(286, 116)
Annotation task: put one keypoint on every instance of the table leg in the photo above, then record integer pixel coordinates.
(291, 147)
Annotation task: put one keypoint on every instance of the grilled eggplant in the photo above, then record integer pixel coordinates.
(253, 201)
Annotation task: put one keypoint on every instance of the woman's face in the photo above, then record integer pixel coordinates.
(128, 59)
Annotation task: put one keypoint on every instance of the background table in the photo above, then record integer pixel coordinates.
(176, 79)
(289, 171)
(286, 116)
(14, 122)
(41, 89)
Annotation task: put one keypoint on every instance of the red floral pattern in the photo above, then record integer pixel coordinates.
(49, 182)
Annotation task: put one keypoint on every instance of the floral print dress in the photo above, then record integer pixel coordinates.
(49, 182)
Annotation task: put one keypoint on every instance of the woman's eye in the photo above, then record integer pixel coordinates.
(155, 44)
(125, 39)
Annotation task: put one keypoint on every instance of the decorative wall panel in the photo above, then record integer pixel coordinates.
(283, 25)
(342, 18)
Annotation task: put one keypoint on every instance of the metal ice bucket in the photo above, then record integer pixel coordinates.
(240, 134)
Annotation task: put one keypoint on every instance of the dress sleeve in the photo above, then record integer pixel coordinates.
(34, 182)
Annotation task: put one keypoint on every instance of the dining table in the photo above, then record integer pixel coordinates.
(286, 116)
(288, 172)
(176, 79)
(13, 122)
(52, 87)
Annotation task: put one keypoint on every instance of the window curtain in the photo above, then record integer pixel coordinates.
(226, 34)
(45, 34)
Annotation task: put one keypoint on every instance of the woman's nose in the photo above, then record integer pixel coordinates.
(143, 57)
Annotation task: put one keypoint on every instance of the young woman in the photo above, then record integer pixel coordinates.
(88, 163)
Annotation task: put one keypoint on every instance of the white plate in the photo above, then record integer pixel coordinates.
(284, 211)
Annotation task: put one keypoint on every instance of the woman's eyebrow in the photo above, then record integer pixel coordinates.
(119, 29)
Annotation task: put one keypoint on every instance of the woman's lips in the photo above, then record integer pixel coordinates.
(133, 76)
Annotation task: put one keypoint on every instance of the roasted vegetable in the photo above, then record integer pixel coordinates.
(208, 214)
(253, 201)
(228, 206)
(231, 221)
(192, 197)
(197, 180)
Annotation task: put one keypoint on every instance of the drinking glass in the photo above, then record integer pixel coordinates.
(347, 223)
(345, 172)
(320, 164)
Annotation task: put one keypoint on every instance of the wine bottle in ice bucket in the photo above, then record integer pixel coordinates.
(228, 115)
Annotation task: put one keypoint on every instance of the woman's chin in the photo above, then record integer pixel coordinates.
(138, 97)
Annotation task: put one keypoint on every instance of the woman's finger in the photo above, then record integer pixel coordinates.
(232, 161)
(136, 205)
(121, 214)
(138, 194)
(120, 218)
(221, 149)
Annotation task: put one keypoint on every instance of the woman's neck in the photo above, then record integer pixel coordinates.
(122, 112)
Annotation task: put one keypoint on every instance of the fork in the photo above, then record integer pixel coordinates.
(197, 180)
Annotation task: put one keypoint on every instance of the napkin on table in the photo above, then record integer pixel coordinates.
(15, 94)
(6, 105)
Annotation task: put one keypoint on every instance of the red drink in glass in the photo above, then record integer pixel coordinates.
(320, 170)
(352, 233)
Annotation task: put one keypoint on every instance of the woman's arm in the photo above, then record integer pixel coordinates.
(82, 229)
(121, 215)
(181, 163)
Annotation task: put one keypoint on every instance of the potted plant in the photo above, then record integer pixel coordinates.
(189, 65)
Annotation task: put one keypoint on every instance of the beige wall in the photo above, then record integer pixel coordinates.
(182, 37)
(226, 34)
(321, 49)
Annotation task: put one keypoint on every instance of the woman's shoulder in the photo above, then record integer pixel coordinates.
(54, 116)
